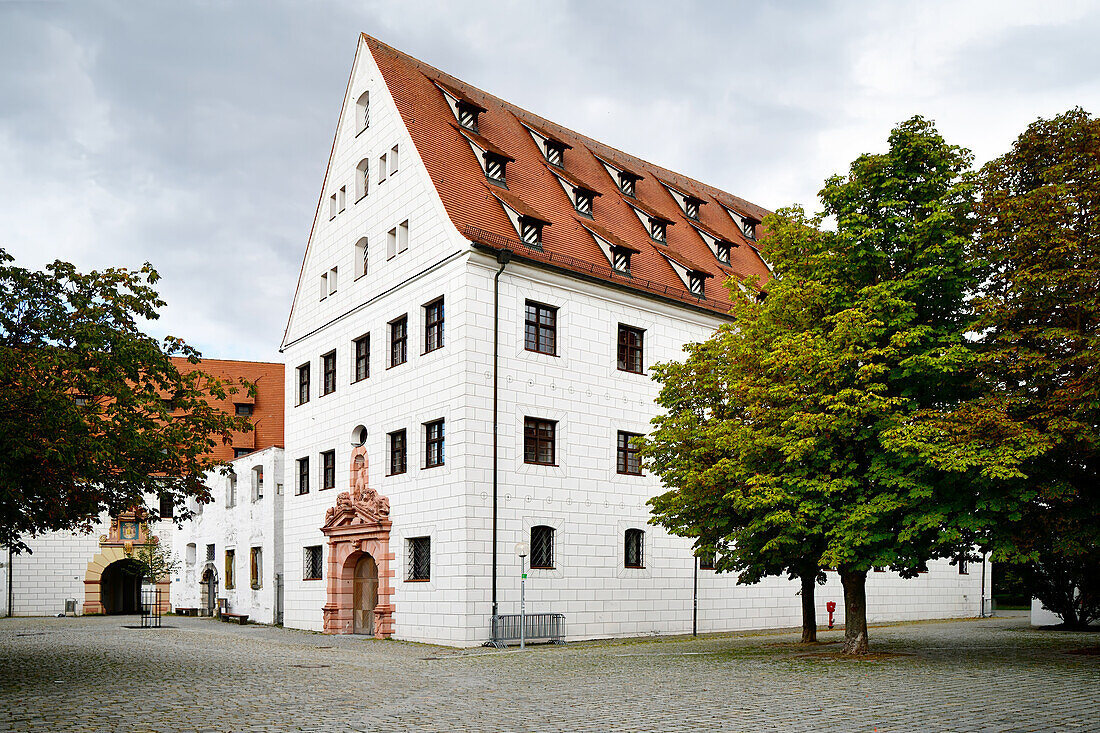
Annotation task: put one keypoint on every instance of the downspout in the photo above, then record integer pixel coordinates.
(11, 590)
(503, 256)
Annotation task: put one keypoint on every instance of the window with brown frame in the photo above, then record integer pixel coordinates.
(303, 476)
(630, 349)
(230, 565)
(433, 444)
(398, 452)
(538, 441)
(303, 384)
(328, 470)
(362, 357)
(399, 341)
(433, 325)
(328, 364)
(629, 460)
(540, 328)
(255, 562)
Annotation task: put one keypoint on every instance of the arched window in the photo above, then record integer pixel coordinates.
(634, 549)
(542, 547)
(362, 112)
(361, 257)
(362, 179)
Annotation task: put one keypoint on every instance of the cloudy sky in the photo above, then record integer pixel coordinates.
(194, 135)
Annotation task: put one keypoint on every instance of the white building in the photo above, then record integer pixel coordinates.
(472, 264)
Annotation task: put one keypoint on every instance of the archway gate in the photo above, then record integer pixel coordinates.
(127, 532)
(358, 525)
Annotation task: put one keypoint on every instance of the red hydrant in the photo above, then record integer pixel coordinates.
(830, 607)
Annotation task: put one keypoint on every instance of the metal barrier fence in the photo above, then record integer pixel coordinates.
(150, 608)
(536, 627)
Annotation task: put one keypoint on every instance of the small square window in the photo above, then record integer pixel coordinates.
(328, 363)
(399, 341)
(538, 441)
(419, 565)
(542, 548)
(540, 328)
(629, 460)
(328, 470)
(362, 357)
(398, 452)
(312, 565)
(303, 477)
(324, 286)
(433, 444)
(391, 243)
(243, 409)
(630, 349)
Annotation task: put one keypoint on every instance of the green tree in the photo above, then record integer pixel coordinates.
(1030, 437)
(157, 562)
(861, 328)
(85, 399)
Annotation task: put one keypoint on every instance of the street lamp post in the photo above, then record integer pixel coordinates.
(522, 550)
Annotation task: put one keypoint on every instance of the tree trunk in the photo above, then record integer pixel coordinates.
(809, 620)
(855, 611)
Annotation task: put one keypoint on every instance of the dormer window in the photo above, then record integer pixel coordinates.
(691, 209)
(722, 252)
(555, 152)
(748, 227)
(531, 231)
(626, 183)
(467, 115)
(582, 199)
(621, 259)
(658, 230)
(494, 167)
(697, 284)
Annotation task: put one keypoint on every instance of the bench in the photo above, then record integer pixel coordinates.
(240, 618)
(536, 627)
(187, 612)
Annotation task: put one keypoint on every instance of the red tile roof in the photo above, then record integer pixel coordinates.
(476, 212)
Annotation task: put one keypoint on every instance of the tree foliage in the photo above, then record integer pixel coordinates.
(85, 401)
(777, 423)
(1030, 437)
(157, 562)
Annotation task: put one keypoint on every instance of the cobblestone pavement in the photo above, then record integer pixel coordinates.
(90, 674)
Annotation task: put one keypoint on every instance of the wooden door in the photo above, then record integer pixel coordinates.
(365, 595)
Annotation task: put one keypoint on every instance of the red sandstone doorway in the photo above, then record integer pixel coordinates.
(120, 587)
(365, 595)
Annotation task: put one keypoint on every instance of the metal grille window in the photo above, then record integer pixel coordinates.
(433, 325)
(210, 553)
(230, 563)
(542, 547)
(419, 565)
(362, 357)
(328, 470)
(538, 441)
(629, 461)
(722, 252)
(303, 476)
(255, 563)
(582, 201)
(630, 349)
(328, 362)
(634, 549)
(433, 444)
(706, 561)
(541, 328)
(399, 341)
(531, 231)
(312, 563)
(303, 384)
(398, 452)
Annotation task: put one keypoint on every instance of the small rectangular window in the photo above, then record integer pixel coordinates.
(167, 506)
(403, 237)
(341, 199)
(332, 207)
(312, 565)
(230, 566)
(256, 570)
(362, 357)
(332, 281)
(231, 491)
(419, 565)
(964, 568)
(722, 252)
(382, 168)
(391, 243)
(620, 260)
(240, 452)
(538, 441)
(398, 452)
(433, 444)
(629, 460)
(582, 201)
(494, 167)
(626, 183)
(634, 549)
(303, 384)
(691, 209)
(542, 548)
(697, 285)
(361, 257)
(540, 328)
(467, 116)
(303, 477)
(706, 561)
(657, 230)
(630, 349)
(324, 285)
(399, 341)
(531, 232)
(328, 470)
(328, 364)
(210, 553)
(257, 483)
(555, 152)
(243, 409)
(433, 325)
(393, 160)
